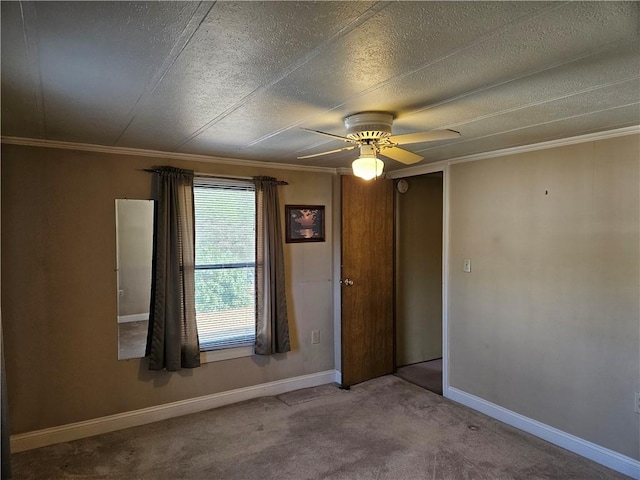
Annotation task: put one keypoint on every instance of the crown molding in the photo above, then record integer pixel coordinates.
(440, 165)
(87, 147)
(400, 173)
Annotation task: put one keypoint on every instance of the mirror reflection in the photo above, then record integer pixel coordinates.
(134, 244)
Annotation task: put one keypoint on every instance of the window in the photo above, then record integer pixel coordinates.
(225, 222)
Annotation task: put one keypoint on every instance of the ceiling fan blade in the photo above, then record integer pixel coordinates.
(424, 136)
(337, 137)
(401, 155)
(329, 152)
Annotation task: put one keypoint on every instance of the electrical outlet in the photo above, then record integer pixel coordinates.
(315, 336)
(637, 402)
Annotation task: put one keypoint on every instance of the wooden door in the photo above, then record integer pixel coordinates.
(367, 279)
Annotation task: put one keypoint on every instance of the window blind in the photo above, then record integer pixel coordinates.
(225, 221)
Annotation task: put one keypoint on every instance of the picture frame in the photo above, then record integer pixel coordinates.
(304, 223)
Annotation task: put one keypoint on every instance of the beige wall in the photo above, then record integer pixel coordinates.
(419, 270)
(59, 290)
(547, 324)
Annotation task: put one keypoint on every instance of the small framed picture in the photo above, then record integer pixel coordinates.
(304, 223)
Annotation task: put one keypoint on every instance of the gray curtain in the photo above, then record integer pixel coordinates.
(6, 446)
(272, 326)
(172, 341)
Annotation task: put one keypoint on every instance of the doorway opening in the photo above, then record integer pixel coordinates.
(419, 275)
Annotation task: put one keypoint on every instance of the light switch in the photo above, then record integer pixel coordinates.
(467, 265)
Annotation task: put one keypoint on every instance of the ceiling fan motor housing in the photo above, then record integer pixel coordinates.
(368, 126)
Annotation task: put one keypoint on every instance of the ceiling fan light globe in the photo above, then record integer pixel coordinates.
(367, 167)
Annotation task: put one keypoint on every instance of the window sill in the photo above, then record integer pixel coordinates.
(225, 354)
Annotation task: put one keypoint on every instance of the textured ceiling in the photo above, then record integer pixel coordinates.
(239, 79)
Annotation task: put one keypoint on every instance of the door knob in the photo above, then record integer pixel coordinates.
(347, 282)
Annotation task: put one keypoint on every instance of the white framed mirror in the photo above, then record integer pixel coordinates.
(134, 250)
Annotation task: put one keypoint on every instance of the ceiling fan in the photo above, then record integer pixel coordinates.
(371, 133)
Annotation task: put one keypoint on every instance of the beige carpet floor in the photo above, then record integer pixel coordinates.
(424, 374)
(384, 429)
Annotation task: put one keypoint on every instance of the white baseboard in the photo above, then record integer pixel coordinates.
(338, 377)
(598, 454)
(88, 428)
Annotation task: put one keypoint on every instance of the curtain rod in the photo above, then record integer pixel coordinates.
(209, 175)
(233, 177)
